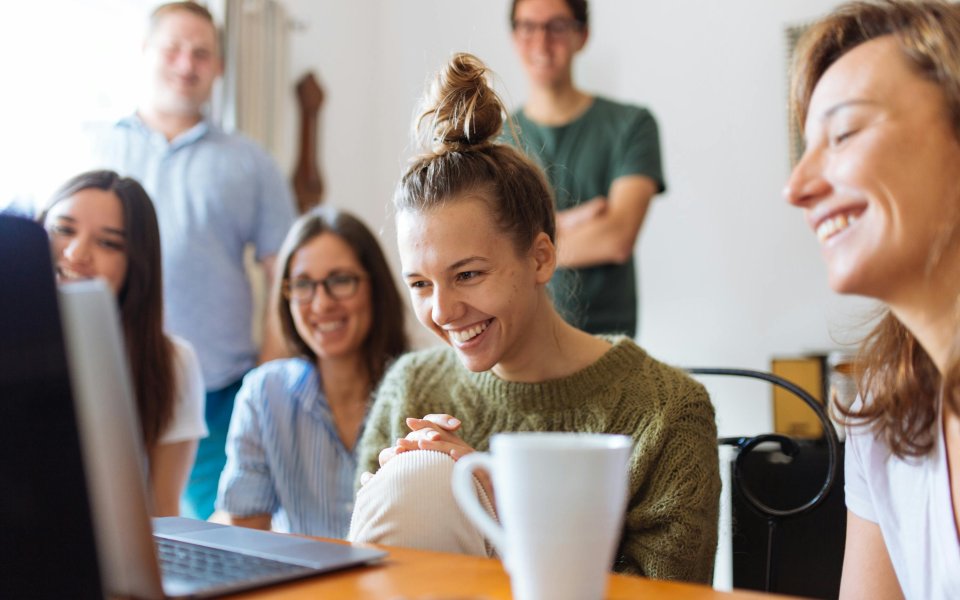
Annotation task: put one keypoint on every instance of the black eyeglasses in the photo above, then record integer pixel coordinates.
(339, 286)
(554, 28)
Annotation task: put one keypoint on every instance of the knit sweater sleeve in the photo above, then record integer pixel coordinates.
(670, 530)
(386, 421)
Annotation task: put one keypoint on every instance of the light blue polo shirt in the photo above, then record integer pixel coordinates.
(214, 193)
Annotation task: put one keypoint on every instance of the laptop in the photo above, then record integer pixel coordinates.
(48, 545)
(167, 557)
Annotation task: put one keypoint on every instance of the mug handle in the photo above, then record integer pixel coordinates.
(466, 496)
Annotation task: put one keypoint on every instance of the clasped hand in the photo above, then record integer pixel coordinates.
(432, 432)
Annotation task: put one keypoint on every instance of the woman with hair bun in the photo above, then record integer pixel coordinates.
(877, 90)
(475, 222)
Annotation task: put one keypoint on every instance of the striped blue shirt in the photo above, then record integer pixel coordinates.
(284, 457)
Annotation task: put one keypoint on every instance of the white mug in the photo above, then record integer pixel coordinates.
(561, 498)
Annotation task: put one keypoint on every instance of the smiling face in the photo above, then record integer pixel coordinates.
(879, 179)
(547, 57)
(87, 238)
(469, 285)
(334, 328)
(183, 61)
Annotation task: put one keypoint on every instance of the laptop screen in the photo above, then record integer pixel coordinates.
(110, 438)
(48, 548)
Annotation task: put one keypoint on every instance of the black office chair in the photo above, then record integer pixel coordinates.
(774, 517)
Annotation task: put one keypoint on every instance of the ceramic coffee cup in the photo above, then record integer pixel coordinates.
(561, 499)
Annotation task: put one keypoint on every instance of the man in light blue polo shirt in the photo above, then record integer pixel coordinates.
(214, 193)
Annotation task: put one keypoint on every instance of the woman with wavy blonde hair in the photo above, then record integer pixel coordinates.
(475, 222)
(877, 88)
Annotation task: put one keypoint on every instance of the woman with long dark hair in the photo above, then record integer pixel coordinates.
(103, 225)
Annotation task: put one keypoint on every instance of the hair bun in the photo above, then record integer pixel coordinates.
(461, 110)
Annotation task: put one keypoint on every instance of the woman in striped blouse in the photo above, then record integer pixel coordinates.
(291, 446)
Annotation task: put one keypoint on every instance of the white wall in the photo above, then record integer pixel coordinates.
(64, 63)
(730, 275)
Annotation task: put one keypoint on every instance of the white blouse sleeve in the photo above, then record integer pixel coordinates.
(858, 448)
(187, 422)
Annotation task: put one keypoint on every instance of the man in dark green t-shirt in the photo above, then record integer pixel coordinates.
(610, 154)
(602, 159)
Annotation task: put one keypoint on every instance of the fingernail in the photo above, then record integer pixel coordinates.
(433, 435)
(453, 421)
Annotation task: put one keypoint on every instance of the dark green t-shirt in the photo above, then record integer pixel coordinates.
(581, 160)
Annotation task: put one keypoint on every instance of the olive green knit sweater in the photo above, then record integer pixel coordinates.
(670, 530)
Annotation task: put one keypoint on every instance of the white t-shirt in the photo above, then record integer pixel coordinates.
(909, 498)
(187, 421)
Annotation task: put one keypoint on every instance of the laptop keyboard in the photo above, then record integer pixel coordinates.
(212, 566)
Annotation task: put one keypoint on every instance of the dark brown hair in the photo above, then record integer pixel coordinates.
(387, 338)
(461, 119)
(140, 299)
(581, 12)
(895, 373)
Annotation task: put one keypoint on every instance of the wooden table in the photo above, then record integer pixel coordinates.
(418, 575)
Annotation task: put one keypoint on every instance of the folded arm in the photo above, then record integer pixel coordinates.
(590, 235)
